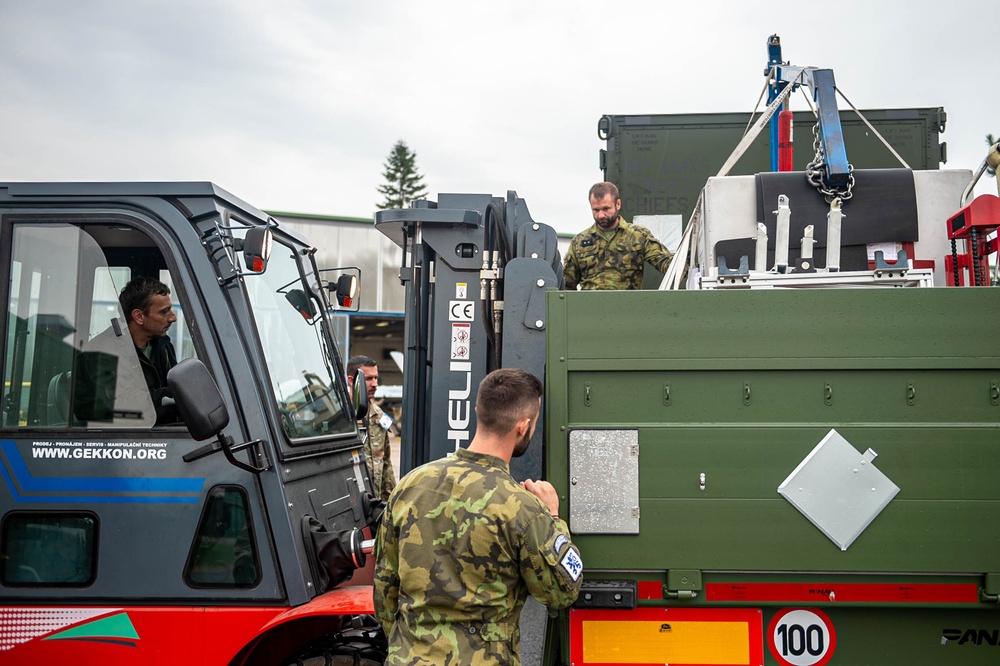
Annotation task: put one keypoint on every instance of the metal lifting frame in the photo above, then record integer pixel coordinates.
(824, 89)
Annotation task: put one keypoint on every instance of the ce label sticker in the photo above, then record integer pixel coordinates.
(461, 310)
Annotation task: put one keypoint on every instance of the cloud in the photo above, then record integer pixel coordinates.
(295, 106)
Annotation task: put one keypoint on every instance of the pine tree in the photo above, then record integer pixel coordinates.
(403, 183)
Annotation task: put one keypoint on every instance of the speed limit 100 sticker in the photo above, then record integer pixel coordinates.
(800, 637)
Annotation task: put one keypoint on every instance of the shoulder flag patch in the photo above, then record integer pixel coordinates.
(572, 563)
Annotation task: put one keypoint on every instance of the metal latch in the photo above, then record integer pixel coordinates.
(990, 591)
(682, 584)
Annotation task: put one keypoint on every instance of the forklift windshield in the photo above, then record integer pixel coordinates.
(298, 349)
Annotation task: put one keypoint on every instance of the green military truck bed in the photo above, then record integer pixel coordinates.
(834, 451)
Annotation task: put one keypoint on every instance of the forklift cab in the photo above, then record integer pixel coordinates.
(103, 508)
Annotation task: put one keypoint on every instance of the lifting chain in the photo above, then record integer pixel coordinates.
(815, 171)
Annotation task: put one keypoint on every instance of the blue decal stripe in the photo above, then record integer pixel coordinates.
(23, 480)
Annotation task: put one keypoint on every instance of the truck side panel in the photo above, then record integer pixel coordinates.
(727, 394)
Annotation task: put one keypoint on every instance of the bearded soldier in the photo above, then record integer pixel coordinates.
(612, 253)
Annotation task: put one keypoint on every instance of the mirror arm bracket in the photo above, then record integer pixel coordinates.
(201, 452)
(257, 452)
(225, 444)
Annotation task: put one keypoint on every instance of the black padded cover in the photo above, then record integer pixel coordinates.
(883, 208)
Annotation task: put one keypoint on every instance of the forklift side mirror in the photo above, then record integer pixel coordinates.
(359, 396)
(302, 304)
(198, 399)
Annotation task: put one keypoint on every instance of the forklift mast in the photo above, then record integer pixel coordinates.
(475, 268)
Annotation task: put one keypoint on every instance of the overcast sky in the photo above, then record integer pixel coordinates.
(295, 105)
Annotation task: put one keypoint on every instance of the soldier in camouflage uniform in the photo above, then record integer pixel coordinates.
(378, 455)
(462, 544)
(612, 253)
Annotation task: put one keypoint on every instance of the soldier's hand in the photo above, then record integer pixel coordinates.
(544, 491)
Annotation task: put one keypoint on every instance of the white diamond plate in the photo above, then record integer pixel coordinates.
(838, 489)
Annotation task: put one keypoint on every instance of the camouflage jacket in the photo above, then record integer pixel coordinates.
(378, 455)
(594, 262)
(460, 548)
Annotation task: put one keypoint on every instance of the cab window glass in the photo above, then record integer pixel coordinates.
(223, 554)
(104, 301)
(70, 360)
(299, 357)
(49, 549)
(179, 333)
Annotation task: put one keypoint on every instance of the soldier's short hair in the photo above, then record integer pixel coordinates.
(600, 190)
(138, 294)
(357, 361)
(505, 397)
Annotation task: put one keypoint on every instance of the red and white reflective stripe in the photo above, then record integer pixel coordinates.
(823, 592)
